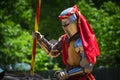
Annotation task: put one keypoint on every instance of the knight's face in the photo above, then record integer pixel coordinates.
(70, 28)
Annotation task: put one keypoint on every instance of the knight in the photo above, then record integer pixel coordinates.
(78, 46)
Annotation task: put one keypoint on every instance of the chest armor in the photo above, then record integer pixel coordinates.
(73, 56)
(76, 56)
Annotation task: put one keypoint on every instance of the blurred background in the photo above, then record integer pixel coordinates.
(17, 24)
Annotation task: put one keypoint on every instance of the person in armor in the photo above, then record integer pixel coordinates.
(78, 46)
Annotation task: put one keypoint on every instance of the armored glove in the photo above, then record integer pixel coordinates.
(36, 35)
(61, 75)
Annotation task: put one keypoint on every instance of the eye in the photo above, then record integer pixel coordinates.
(65, 25)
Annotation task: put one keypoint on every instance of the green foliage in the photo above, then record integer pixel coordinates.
(41, 60)
(111, 35)
(105, 23)
(17, 24)
(14, 47)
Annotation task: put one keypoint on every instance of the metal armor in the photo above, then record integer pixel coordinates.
(51, 49)
(69, 26)
(77, 61)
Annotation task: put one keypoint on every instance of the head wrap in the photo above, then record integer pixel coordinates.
(64, 15)
(86, 33)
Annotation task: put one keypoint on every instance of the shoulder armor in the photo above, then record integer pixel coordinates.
(78, 43)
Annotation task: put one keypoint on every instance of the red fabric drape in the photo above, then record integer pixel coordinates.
(64, 49)
(89, 41)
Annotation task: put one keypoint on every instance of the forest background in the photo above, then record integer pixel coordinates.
(17, 24)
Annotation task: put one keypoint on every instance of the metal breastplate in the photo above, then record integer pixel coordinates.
(73, 56)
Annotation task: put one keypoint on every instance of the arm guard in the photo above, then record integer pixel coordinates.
(44, 44)
(85, 64)
(51, 49)
(80, 70)
(75, 71)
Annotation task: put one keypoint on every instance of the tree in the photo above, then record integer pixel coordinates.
(105, 23)
(17, 22)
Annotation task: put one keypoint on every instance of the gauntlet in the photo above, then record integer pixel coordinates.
(61, 75)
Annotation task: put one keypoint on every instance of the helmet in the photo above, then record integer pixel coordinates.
(69, 22)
